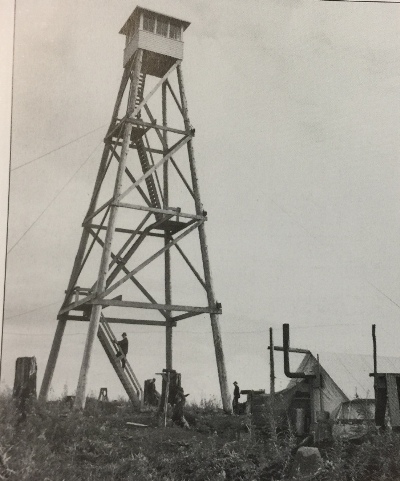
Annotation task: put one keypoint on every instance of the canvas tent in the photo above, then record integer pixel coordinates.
(348, 378)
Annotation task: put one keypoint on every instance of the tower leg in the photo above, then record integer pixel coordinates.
(55, 348)
(167, 255)
(51, 363)
(80, 398)
(219, 354)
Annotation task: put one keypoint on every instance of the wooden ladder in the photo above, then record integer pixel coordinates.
(127, 377)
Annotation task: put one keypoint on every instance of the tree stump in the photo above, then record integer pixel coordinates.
(24, 383)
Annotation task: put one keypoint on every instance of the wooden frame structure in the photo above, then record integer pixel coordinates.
(139, 212)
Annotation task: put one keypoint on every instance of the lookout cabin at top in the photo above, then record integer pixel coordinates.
(160, 37)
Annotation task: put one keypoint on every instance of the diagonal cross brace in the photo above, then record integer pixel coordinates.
(151, 258)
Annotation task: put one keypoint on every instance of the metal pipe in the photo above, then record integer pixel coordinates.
(286, 364)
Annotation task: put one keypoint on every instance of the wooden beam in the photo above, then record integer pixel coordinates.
(167, 253)
(133, 249)
(117, 256)
(169, 211)
(150, 94)
(80, 398)
(124, 231)
(174, 96)
(192, 268)
(146, 305)
(171, 152)
(292, 349)
(160, 127)
(136, 282)
(215, 326)
(120, 320)
(152, 258)
(165, 146)
(132, 179)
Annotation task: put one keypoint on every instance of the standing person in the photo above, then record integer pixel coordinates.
(236, 396)
(178, 415)
(123, 348)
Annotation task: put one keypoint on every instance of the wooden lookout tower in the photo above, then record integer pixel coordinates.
(145, 202)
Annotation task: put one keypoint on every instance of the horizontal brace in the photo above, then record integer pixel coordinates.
(133, 146)
(291, 349)
(77, 318)
(137, 109)
(123, 231)
(82, 305)
(189, 133)
(160, 211)
(147, 305)
(119, 320)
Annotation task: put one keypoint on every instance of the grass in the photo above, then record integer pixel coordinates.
(57, 444)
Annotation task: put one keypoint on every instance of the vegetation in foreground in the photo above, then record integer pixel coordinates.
(57, 444)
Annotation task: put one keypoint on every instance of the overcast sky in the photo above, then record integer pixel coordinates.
(296, 110)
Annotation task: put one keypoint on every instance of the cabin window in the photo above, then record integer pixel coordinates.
(175, 31)
(162, 27)
(149, 22)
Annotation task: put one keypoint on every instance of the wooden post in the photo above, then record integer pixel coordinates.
(219, 353)
(272, 383)
(55, 348)
(80, 398)
(374, 347)
(168, 380)
(167, 254)
(271, 365)
(321, 401)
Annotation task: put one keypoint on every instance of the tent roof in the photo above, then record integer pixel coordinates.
(351, 371)
(309, 366)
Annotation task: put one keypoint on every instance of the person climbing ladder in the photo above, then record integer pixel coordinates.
(122, 348)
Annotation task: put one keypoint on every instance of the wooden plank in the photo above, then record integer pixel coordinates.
(161, 211)
(393, 400)
(146, 305)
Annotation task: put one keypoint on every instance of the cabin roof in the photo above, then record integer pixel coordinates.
(124, 30)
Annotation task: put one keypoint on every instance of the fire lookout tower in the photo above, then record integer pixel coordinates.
(144, 173)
